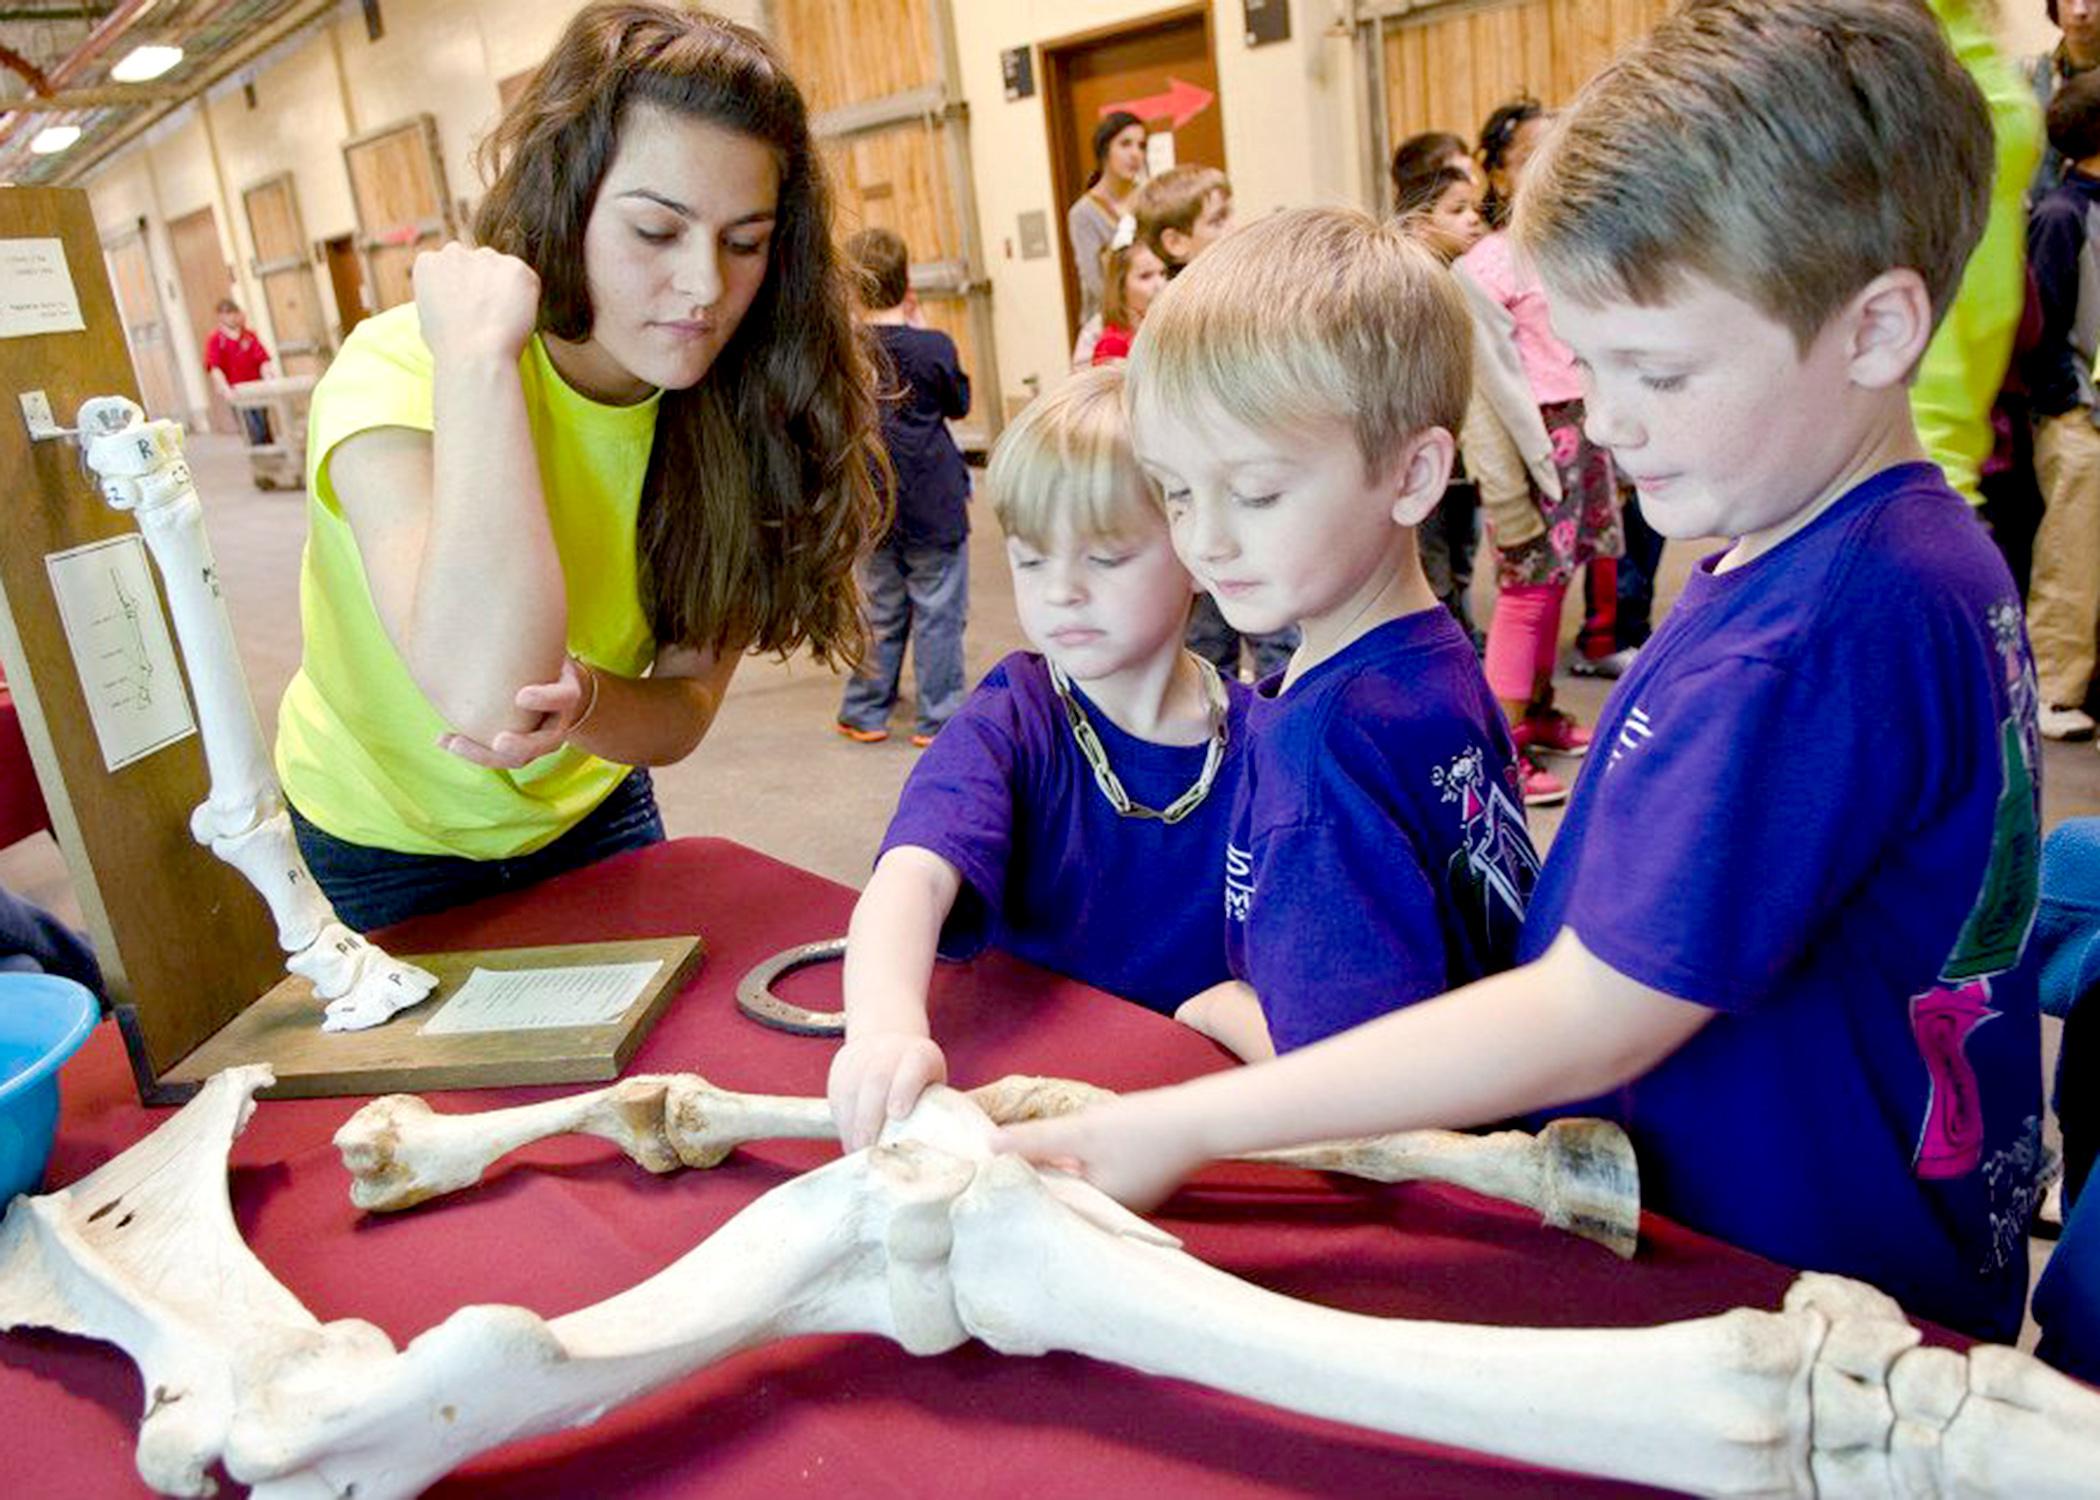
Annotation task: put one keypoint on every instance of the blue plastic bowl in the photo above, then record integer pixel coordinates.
(43, 1021)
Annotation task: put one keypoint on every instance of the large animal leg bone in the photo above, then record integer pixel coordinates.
(141, 468)
(143, 1253)
(928, 1239)
(1830, 1397)
(1578, 1175)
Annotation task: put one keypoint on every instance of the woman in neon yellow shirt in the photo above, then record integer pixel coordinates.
(599, 458)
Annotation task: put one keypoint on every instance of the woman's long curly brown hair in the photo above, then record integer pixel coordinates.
(766, 479)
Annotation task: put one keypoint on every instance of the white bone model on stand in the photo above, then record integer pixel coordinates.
(140, 467)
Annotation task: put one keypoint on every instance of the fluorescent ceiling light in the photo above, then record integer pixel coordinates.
(54, 138)
(142, 63)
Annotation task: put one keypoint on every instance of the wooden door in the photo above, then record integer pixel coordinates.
(397, 182)
(202, 272)
(879, 77)
(286, 277)
(1448, 67)
(145, 322)
(1164, 71)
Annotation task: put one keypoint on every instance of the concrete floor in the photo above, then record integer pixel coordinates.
(771, 774)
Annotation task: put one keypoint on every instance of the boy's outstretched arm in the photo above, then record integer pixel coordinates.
(890, 1058)
(1230, 1014)
(1564, 1027)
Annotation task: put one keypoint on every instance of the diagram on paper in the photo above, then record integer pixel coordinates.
(122, 651)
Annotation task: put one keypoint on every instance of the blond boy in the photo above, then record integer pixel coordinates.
(1378, 853)
(1080, 788)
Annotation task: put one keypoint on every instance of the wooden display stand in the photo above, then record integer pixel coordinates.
(279, 464)
(187, 945)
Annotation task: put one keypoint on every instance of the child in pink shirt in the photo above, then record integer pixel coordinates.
(1580, 525)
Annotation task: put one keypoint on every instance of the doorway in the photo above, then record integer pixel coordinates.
(346, 281)
(1163, 70)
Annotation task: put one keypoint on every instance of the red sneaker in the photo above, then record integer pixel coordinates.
(1553, 732)
(1541, 787)
(922, 739)
(861, 736)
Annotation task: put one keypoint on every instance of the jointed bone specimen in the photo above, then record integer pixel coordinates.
(929, 1239)
(1577, 1175)
(243, 821)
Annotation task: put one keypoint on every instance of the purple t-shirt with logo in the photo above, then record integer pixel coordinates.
(1378, 851)
(1812, 806)
(1050, 871)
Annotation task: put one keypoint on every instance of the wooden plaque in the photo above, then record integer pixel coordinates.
(282, 1030)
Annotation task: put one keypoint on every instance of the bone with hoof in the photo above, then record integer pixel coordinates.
(929, 1239)
(141, 469)
(1578, 1175)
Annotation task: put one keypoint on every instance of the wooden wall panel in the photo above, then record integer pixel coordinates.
(897, 179)
(397, 181)
(850, 51)
(289, 288)
(145, 325)
(273, 220)
(1447, 69)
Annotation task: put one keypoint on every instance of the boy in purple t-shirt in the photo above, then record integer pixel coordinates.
(1378, 853)
(1783, 928)
(1073, 812)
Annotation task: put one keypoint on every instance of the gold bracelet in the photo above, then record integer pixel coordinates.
(592, 706)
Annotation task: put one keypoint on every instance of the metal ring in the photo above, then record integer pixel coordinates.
(755, 997)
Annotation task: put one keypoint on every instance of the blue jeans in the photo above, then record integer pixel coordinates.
(922, 593)
(1218, 643)
(257, 423)
(1637, 572)
(375, 887)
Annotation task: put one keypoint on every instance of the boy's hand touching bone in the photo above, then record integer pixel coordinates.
(877, 1078)
(1133, 1149)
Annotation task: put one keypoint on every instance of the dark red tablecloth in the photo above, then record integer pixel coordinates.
(22, 809)
(571, 1222)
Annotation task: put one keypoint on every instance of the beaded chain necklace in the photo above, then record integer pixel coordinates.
(1105, 777)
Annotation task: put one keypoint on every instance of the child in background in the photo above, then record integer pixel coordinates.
(1581, 522)
(1512, 133)
(1180, 214)
(2063, 600)
(1436, 198)
(1791, 963)
(1075, 811)
(917, 580)
(1131, 277)
(1378, 854)
(233, 356)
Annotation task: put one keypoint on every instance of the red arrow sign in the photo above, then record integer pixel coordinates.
(1182, 102)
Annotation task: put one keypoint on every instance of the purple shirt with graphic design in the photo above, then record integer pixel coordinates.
(1050, 871)
(1378, 850)
(1811, 806)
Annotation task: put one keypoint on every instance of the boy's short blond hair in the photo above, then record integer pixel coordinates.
(1788, 151)
(1312, 314)
(1066, 462)
(1174, 200)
